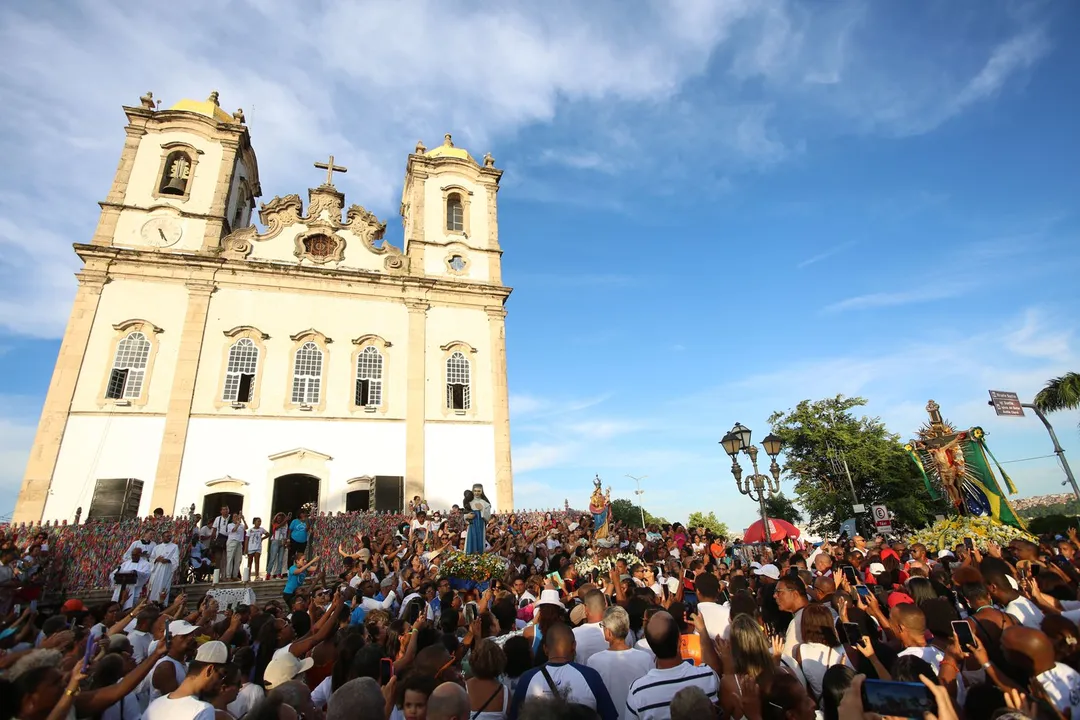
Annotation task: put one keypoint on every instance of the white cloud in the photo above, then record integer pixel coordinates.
(1014, 54)
(366, 80)
(1039, 338)
(826, 254)
(921, 294)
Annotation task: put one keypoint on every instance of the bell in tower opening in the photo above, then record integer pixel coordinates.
(177, 174)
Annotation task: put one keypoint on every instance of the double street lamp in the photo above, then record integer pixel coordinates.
(757, 486)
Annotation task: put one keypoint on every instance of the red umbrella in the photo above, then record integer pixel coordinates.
(778, 530)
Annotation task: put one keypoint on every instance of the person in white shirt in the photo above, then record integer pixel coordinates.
(145, 543)
(203, 678)
(791, 597)
(1025, 647)
(590, 637)
(250, 693)
(649, 697)
(234, 548)
(141, 568)
(717, 617)
(163, 564)
(220, 536)
(909, 624)
(140, 635)
(1003, 590)
(578, 684)
(619, 666)
(255, 536)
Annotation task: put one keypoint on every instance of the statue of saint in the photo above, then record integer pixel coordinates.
(600, 507)
(477, 513)
(951, 467)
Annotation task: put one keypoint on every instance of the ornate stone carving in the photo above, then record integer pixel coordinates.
(396, 263)
(237, 244)
(320, 245)
(365, 225)
(147, 101)
(238, 116)
(489, 161)
(280, 213)
(325, 199)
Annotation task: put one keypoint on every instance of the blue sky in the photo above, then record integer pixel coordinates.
(710, 210)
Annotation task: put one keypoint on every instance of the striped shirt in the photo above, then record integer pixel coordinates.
(577, 684)
(650, 696)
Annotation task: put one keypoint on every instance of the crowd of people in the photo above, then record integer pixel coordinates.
(659, 622)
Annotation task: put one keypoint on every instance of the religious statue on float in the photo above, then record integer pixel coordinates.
(477, 513)
(600, 507)
(959, 463)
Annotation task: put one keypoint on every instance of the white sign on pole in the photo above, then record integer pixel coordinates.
(859, 508)
(882, 521)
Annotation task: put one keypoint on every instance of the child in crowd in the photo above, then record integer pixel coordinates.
(255, 536)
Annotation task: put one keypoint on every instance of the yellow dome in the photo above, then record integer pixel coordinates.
(208, 107)
(447, 149)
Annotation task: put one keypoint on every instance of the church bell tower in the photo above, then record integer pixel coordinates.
(187, 178)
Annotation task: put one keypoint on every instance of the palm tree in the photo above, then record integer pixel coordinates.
(1061, 393)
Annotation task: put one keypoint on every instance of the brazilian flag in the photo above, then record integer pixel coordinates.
(980, 489)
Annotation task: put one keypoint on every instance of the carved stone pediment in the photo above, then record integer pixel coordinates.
(364, 225)
(280, 213)
(325, 203)
(323, 217)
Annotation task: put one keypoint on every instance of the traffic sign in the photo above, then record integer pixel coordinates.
(1006, 403)
(882, 520)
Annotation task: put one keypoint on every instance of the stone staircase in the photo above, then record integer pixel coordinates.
(265, 590)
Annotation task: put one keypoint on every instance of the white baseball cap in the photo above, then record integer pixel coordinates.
(876, 568)
(181, 627)
(945, 553)
(284, 668)
(215, 652)
(769, 571)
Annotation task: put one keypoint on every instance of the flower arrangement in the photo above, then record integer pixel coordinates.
(588, 564)
(476, 567)
(947, 534)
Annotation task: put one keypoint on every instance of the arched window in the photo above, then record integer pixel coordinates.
(455, 214)
(458, 395)
(129, 367)
(369, 367)
(240, 371)
(307, 375)
(177, 174)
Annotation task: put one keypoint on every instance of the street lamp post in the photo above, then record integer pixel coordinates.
(639, 492)
(757, 487)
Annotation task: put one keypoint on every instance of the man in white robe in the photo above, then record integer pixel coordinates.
(145, 543)
(165, 560)
(138, 565)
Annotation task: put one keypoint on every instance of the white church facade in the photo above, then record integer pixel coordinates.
(207, 361)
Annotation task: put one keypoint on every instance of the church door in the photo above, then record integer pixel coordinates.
(212, 504)
(358, 501)
(291, 492)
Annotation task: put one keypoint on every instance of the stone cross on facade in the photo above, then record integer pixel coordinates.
(330, 169)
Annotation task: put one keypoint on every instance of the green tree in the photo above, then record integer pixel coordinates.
(1061, 393)
(782, 507)
(817, 435)
(709, 522)
(629, 514)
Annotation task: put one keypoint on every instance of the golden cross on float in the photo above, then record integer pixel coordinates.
(330, 169)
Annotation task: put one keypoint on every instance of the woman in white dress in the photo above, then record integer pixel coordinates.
(163, 562)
